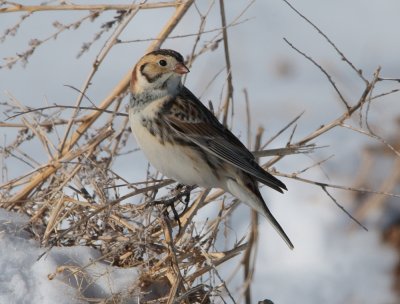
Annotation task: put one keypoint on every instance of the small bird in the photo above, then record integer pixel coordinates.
(183, 140)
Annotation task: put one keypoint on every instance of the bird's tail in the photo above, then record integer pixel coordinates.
(250, 194)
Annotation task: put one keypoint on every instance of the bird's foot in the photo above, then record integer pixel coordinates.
(181, 194)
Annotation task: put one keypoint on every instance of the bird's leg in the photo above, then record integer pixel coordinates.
(186, 200)
(169, 203)
(178, 195)
(176, 217)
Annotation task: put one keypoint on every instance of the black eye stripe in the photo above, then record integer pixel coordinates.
(149, 78)
(142, 67)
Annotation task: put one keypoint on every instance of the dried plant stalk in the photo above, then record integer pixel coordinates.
(91, 118)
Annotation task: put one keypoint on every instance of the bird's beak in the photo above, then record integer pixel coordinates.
(181, 69)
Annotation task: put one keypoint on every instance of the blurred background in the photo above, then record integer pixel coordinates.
(334, 261)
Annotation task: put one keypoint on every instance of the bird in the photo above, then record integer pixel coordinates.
(183, 139)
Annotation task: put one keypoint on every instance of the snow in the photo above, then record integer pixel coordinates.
(330, 264)
(25, 279)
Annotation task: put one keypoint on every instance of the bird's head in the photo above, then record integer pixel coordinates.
(158, 70)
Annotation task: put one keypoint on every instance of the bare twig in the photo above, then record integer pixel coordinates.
(281, 131)
(229, 95)
(378, 138)
(99, 59)
(343, 209)
(336, 122)
(91, 118)
(248, 117)
(85, 7)
(219, 29)
(388, 185)
(57, 106)
(322, 70)
(248, 257)
(343, 57)
(35, 43)
(326, 185)
(313, 165)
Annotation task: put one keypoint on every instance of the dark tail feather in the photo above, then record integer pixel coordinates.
(246, 190)
(268, 215)
(278, 227)
(271, 181)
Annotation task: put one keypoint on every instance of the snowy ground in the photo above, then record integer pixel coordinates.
(331, 263)
(24, 279)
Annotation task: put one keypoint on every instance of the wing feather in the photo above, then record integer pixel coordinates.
(208, 133)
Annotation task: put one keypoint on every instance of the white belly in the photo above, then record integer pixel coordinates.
(180, 163)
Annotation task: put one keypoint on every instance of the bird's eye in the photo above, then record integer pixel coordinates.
(162, 62)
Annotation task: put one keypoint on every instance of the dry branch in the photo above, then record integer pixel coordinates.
(15, 7)
(91, 118)
(229, 95)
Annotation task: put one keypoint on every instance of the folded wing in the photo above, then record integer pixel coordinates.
(207, 132)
